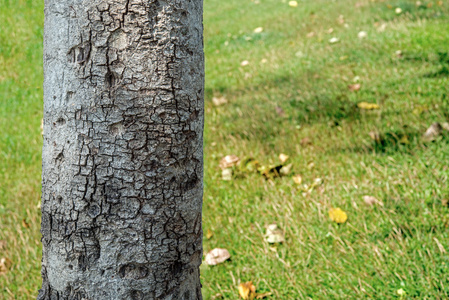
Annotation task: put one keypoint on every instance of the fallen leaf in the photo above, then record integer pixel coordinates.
(368, 106)
(218, 101)
(217, 256)
(258, 30)
(370, 200)
(310, 34)
(244, 63)
(338, 215)
(274, 234)
(247, 290)
(404, 140)
(209, 234)
(334, 40)
(297, 179)
(433, 132)
(25, 223)
(229, 161)
(401, 292)
(226, 174)
(445, 126)
(293, 3)
(306, 141)
(2, 244)
(354, 87)
(444, 202)
(5, 265)
(283, 157)
(362, 34)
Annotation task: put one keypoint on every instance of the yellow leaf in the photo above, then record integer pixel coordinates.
(209, 234)
(338, 215)
(247, 290)
(368, 106)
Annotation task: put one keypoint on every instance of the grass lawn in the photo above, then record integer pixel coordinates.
(286, 87)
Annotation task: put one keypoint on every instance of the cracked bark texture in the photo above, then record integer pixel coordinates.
(122, 156)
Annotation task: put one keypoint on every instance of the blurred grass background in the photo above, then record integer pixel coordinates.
(290, 97)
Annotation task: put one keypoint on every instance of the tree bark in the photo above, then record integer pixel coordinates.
(123, 154)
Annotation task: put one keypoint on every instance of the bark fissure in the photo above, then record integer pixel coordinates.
(122, 157)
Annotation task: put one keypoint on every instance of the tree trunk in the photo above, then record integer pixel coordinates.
(122, 156)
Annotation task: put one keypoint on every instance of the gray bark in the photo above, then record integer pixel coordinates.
(122, 155)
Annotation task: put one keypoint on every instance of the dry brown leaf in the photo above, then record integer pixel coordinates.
(218, 101)
(25, 224)
(306, 141)
(338, 215)
(5, 265)
(217, 256)
(274, 234)
(354, 87)
(247, 290)
(229, 161)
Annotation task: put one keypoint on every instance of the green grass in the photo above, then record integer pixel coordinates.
(380, 249)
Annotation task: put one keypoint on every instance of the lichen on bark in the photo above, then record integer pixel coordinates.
(122, 156)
